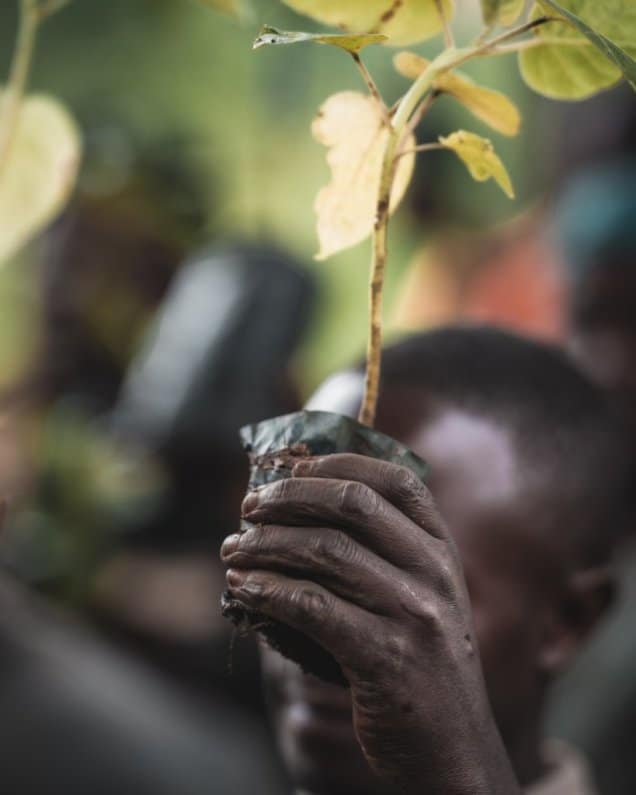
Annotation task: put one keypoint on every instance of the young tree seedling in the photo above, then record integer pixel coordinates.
(567, 50)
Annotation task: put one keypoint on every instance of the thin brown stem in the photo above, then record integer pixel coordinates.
(376, 285)
(449, 39)
(372, 86)
(422, 110)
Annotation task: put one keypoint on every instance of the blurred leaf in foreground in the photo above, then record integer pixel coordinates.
(353, 126)
(403, 21)
(592, 49)
(480, 158)
(40, 171)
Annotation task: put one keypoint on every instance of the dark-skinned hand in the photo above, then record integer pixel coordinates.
(352, 552)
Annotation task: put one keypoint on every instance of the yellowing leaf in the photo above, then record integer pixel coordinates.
(352, 126)
(480, 158)
(40, 172)
(353, 44)
(590, 52)
(491, 107)
(403, 21)
(504, 12)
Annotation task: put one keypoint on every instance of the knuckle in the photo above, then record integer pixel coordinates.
(285, 489)
(331, 547)
(425, 612)
(357, 501)
(396, 651)
(309, 603)
(405, 481)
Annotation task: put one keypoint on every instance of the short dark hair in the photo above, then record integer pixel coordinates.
(560, 421)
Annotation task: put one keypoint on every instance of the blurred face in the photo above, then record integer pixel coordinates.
(476, 480)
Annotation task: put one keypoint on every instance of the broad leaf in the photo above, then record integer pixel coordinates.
(352, 125)
(403, 21)
(39, 175)
(491, 107)
(502, 12)
(352, 44)
(592, 51)
(480, 158)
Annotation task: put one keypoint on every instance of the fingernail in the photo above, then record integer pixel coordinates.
(234, 578)
(250, 503)
(230, 545)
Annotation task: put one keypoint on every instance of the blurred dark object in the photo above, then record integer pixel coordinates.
(588, 134)
(106, 265)
(79, 718)
(217, 358)
(595, 224)
(103, 271)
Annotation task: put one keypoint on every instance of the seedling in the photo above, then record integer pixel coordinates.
(567, 50)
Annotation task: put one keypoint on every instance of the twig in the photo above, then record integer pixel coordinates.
(422, 110)
(376, 286)
(421, 148)
(449, 39)
(372, 86)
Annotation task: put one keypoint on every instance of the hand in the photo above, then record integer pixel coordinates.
(353, 552)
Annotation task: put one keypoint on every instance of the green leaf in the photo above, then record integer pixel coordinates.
(591, 50)
(489, 106)
(480, 158)
(502, 12)
(353, 44)
(403, 21)
(40, 172)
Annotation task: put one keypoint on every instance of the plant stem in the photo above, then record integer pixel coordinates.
(408, 105)
(371, 85)
(421, 148)
(12, 100)
(449, 39)
(376, 286)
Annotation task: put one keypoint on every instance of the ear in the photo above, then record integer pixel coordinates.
(584, 599)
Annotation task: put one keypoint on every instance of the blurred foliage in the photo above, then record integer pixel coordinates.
(173, 68)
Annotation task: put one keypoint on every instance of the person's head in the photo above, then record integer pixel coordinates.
(595, 222)
(528, 473)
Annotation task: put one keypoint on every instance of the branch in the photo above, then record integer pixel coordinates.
(449, 39)
(421, 148)
(372, 86)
